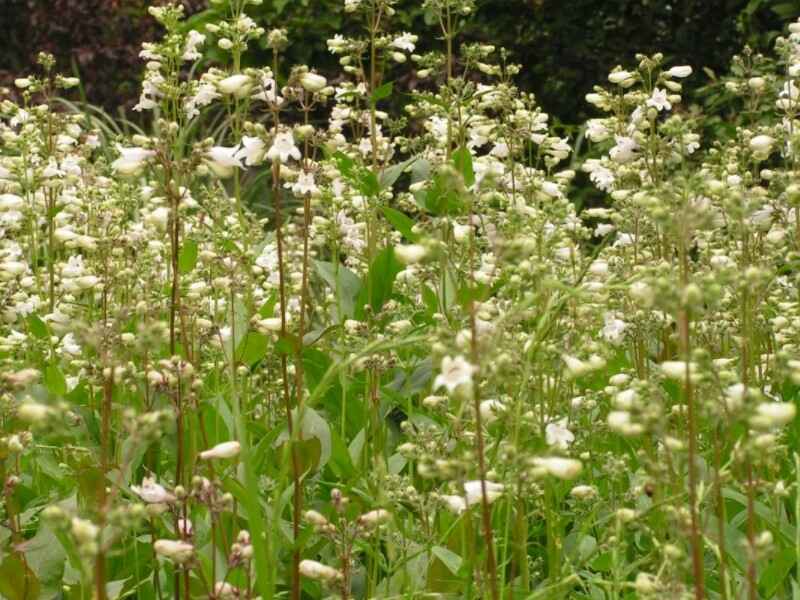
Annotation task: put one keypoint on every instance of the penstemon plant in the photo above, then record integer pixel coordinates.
(307, 335)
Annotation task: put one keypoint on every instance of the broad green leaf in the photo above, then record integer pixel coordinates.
(345, 284)
(462, 159)
(315, 427)
(54, 380)
(17, 581)
(38, 328)
(382, 92)
(401, 222)
(450, 559)
(340, 463)
(187, 258)
(380, 282)
(238, 324)
(391, 174)
(773, 577)
(253, 348)
(440, 198)
(114, 588)
(46, 558)
(356, 447)
(363, 179)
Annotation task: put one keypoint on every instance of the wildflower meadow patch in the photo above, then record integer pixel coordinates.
(308, 335)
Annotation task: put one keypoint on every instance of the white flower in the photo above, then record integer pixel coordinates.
(158, 217)
(11, 202)
(223, 160)
(131, 160)
(185, 527)
(676, 369)
(577, 367)
(283, 148)
(84, 531)
(455, 372)
(268, 90)
(410, 254)
(773, 414)
(204, 95)
(561, 468)
(252, 151)
(305, 185)
(625, 150)
(613, 330)
(223, 450)
(473, 491)
(193, 40)
(316, 570)
(455, 504)
(225, 591)
(602, 177)
(490, 409)
(659, 100)
(680, 71)
(33, 412)
(312, 82)
(69, 345)
(238, 85)
(557, 434)
(152, 493)
(620, 77)
(761, 145)
(406, 42)
(176, 550)
(596, 130)
(735, 395)
(336, 44)
(374, 518)
(583, 492)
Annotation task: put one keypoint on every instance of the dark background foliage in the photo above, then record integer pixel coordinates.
(565, 45)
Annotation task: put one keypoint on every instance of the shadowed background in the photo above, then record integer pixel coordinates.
(565, 45)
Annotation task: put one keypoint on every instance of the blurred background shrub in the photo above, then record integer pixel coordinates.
(565, 45)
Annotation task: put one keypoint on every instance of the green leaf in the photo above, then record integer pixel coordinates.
(345, 284)
(340, 463)
(382, 92)
(17, 581)
(380, 282)
(786, 10)
(286, 345)
(391, 174)
(46, 558)
(356, 447)
(401, 222)
(114, 588)
(268, 307)
(38, 328)
(440, 198)
(187, 258)
(239, 323)
(773, 577)
(468, 293)
(462, 160)
(54, 380)
(430, 299)
(363, 179)
(450, 559)
(253, 348)
(313, 427)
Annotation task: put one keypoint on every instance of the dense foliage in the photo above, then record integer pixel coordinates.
(349, 335)
(565, 45)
